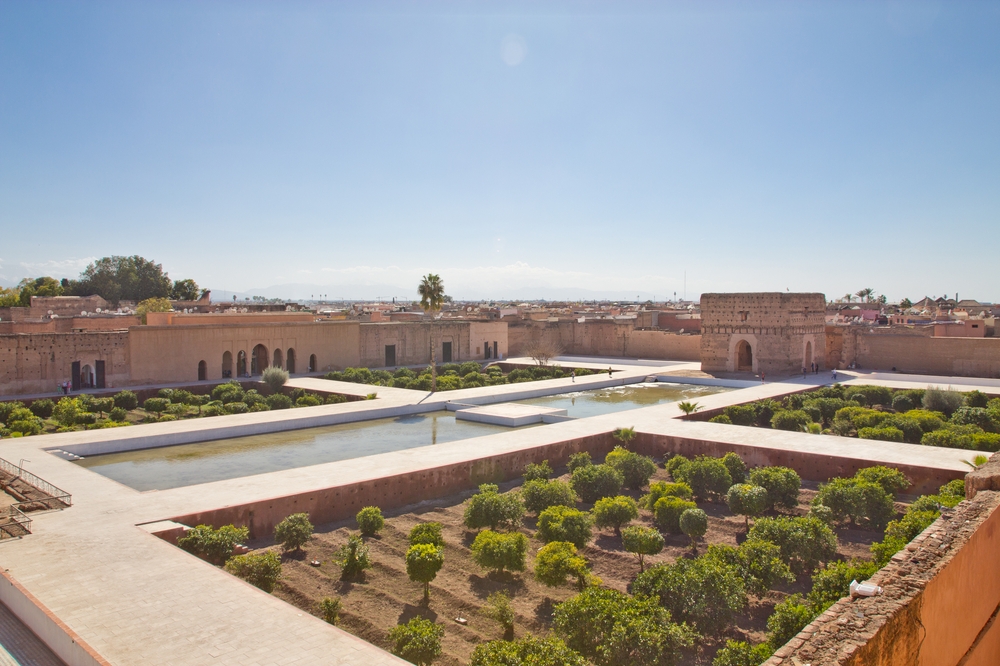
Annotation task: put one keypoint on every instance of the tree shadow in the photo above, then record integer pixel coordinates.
(411, 611)
(609, 542)
(544, 610)
(484, 586)
(468, 537)
(293, 555)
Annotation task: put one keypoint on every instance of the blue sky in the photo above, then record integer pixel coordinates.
(516, 149)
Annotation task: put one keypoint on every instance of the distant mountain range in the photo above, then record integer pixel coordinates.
(386, 292)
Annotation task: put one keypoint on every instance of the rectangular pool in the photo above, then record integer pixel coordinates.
(596, 402)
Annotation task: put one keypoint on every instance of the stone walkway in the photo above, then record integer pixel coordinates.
(138, 600)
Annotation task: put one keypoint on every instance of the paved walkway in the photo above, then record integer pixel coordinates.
(138, 600)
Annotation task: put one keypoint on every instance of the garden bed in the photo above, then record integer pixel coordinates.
(454, 376)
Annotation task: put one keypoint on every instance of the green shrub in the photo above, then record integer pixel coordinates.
(330, 608)
(634, 468)
(883, 434)
(156, 405)
(803, 541)
(703, 591)
(370, 520)
(611, 628)
(499, 609)
(938, 400)
(614, 512)
(308, 400)
(43, 408)
(563, 523)
(426, 533)
(789, 618)
(423, 561)
(737, 468)
(534, 471)
(67, 411)
(213, 410)
(953, 436)
(548, 651)
(860, 502)
(7, 407)
(667, 513)
(259, 569)
(833, 581)
(659, 489)
(892, 480)
(499, 552)
(827, 407)
(747, 500)
(216, 546)
(418, 641)
(279, 401)
(954, 487)
(743, 415)
(741, 653)
(229, 392)
(177, 409)
(578, 460)
(976, 399)
(902, 402)
(977, 416)
(118, 414)
(126, 400)
(694, 524)
(781, 483)
(353, 557)
(27, 427)
(492, 509)
(910, 427)
(593, 482)
(874, 395)
(792, 420)
(705, 475)
(758, 564)
(274, 377)
(675, 463)
(929, 421)
(234, 407)
(642, 541)
(294, 531)
(252, 398)
(556, 561)
(540, 494)
(721, 418)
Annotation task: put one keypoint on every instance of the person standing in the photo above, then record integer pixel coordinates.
(572, 376)
(609, 371)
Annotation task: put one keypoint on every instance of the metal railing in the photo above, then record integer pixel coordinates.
(14, 524)
(57, 498)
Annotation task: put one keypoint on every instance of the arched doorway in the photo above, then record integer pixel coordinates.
(290, 360)
(241, 364)
(312, 363)
(258, 360)
(278, 362)
(203, 371)
(87, 377)
(227, 365)
(744, 357)
(807, 360)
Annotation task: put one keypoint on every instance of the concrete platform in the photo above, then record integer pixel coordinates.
(508, 414)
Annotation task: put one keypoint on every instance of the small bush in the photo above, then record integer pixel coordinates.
(370, 520)
(353, 557)
(562, 523)
(702, 591)
(540, 494)
(883, 434)
(741, 653)
(118, 414)
(593, 482)
(667, 513)
(330, 608)
(492, 509)
(499, 609)
(294, 531)
(126, 400)
(578, 460)
(659, 489)
(747, 500)
(757, 562)
(892, 480)
(279, 401)
(938, 400)
(236, 408)
(534, 471)
(781, 483)
(793, 420)
(42, 408)
(423, 561)
(259, 569)
(737, 468)
(705, 475)
(27, 427)
(274, 377)
(642, 541)
(549, 651)
(789, 618)
(308, 400)
(426, 533)
(861, 502)
(216, 546)
(694, 524)
(743, 415)
(556, 561)
(156, 405)
(976, 416)
(634, 468)
(721, 418)
(902, 402)
(418, 641)
(614, 512)
(804, 542)
(929, 421)
(675, 463)
(499, 552)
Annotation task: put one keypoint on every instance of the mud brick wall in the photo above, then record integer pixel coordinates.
(40, 362)
(604, 338)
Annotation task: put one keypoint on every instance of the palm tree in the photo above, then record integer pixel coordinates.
(688, 407)
(431, 290)
(865, 293)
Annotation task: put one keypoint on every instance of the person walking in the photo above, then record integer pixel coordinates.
(609, 371)
(572, 375)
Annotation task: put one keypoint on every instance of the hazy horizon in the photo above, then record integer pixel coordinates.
(625, 148)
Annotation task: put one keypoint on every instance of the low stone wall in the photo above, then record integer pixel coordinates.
(940, 602)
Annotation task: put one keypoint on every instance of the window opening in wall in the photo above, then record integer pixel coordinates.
(312, 363)
(227, 365)
(446, 352)
(99, 374)
(390, 356)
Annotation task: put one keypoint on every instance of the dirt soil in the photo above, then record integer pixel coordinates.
(385, 597)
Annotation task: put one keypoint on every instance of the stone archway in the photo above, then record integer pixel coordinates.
(312, 362)
(241, 364)
(227, 365)
(807, 358)
(278, 362)
(744, 356)
(258, 360)
(87, 377)
(202, 371)
(290, 360)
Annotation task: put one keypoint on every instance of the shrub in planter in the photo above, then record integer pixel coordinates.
(737, 468)
(792, 420)
(832, 582)
(87, 419)
(259, 569)
(578, 460)
(546, 651)
(747, 500)
(929, 421)
(563, 523)
(614, 512)
(126, 400)
(789, 618)
(493, 509)
(721, 418)
(27, 427)
(593, 482)
(370, 520)
(741, 653)
(330, 608)
(308, 400)
(667, 513)
(418, 641)
(540, 494)
(216, 546)
(558, 560)
(902, 402)
(156, 405)
(705, 475)
(892, 480)
(236, 408)
(757, 562)
(860, 502)
(213, 410)
(977, 416)
(423, 561)
(429, 533)
(938, 400)
(43, 408)
(703, 591)
(534, 471)
(634, 468)
(118, 414)
(294, 531)
(353, 557)
(910, 427)
(658, 489)
(499, 552)
(781, 483)
(274, 378)
(743, 415)
(279, 401)
(804, 541)
(694, 524)
(675, 463)
(883, 434)
(642, 541)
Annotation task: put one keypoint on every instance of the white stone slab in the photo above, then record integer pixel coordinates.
(508, 414)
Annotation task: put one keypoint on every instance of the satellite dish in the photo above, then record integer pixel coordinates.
(84, 313)
(98, 309)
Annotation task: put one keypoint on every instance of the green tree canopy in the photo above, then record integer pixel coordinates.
(185, 290)
(118, 278)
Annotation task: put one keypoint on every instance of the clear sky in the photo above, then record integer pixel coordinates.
(515, 149)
